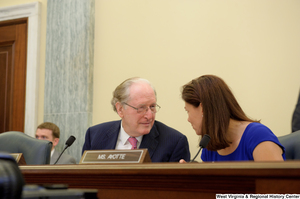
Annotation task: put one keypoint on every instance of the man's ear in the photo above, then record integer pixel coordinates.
(55, 141)
(120, 109)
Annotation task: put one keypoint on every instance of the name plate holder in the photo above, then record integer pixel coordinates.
(115, 156)
(19, 158)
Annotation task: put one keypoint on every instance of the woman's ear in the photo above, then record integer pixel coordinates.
(201, 109)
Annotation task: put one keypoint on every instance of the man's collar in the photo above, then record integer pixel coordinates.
(123, 136)
(52, 152)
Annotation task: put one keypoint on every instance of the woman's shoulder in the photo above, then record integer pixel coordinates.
(257, 130)
(254, 126)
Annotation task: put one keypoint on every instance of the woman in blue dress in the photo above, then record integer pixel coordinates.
(212, 109)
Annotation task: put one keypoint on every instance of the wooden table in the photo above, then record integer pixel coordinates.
(172, 180)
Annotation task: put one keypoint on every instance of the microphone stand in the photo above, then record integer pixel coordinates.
(69, 142)
(61, 154)
(203, 143)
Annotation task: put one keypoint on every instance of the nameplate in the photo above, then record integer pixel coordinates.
(19, 158)
(115, 156)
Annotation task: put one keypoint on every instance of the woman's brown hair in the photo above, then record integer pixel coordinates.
(219, 106)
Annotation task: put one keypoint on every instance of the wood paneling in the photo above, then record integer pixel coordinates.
(172, 180)
(5, 86)
(13, 53)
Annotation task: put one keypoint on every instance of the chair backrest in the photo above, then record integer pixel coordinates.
(35, 151)
(11, 178)
(291, 143)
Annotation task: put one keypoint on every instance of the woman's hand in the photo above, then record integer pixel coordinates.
(182, 161)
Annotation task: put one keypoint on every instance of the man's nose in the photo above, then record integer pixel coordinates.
(149, 113)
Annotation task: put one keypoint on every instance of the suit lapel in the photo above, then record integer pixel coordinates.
(149, 141)
(110, 139)
(54, 157)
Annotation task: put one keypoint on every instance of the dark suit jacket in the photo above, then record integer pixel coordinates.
(296, 116)
(164, 144)
(64, 159)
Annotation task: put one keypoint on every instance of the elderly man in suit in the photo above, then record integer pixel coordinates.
(135, 102)
(49, 131)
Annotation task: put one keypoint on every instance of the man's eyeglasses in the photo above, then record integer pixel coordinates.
(142, 110)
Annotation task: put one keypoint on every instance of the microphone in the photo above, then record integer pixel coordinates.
(69, 142)
(203, 143)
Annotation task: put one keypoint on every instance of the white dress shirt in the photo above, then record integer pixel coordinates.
(123, 143)
(52, 151)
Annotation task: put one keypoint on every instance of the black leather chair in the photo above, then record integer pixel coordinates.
(11, 178)
(291, 143)
(34, 151)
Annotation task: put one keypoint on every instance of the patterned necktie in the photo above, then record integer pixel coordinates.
(133, 142)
